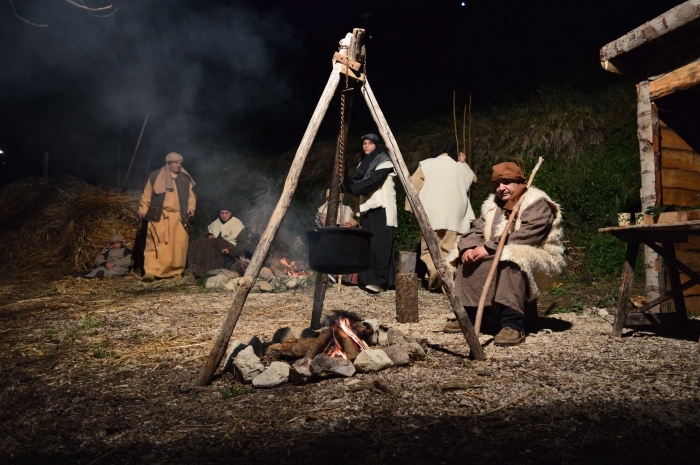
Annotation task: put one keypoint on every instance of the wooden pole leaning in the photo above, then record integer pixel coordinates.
(133, 157)
(499, 252)
(261, 251)
(426, 229)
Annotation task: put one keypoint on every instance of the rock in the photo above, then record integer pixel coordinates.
(253, 341)
(291, 283)
(217, 281)
(223, 271)
(399, 355)
(266, 275)
(395, 337)
(277, 373)
(372, 360)
(415, 350)
(418, 337)
(374, 324)
(603, 312)
(383, 339)
(264, 286)
(323, 365)
(247, 365)
(300, 373)
(232, 285)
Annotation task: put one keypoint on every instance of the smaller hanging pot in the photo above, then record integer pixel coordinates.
(337, 250)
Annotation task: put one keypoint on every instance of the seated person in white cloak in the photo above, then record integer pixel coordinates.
(346, 215)
(532, 259)
(113, 261)
(437, 179)
(226, 239)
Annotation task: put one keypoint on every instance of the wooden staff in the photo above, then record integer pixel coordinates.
(219, 348)
(128, 171)
(426, 229)
(499, 251)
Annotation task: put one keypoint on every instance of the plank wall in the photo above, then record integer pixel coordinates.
(680, 184)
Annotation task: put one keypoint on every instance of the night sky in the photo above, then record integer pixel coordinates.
(236, 78)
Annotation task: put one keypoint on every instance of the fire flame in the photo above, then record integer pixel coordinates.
(289, 268)
(335, 349)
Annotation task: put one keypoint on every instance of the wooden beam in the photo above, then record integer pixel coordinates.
(657, 27)
(251, 274)
(625, 287)
(426, 229)
(679, 79)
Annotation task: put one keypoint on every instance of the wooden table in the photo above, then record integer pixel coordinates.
(666, 234)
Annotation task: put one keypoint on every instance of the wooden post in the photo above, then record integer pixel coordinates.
(407, 289)
(46, 165)
(334, 197)
(625, 286)
(119, 157)
(645, 132)
(675, 281)
(131, 163)
(221, 343)
(426, 229)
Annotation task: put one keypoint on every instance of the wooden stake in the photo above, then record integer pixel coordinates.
(46, 165)
(499, 252)
(454, 117)
(261, 251)
(143, 128)
(426, 229)
(119, 157)
(469, 155)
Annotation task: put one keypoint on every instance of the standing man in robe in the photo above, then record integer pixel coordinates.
(442, 184)
(532, 259)
(167, 203)
(373, 182)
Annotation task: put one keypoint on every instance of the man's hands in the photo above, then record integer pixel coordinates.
(224, 251)
(474, 255)
(109, 265)
(211, 236)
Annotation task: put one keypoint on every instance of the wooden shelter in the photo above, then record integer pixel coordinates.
(663, 55)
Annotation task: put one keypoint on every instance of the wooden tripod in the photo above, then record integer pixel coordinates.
(345, 62)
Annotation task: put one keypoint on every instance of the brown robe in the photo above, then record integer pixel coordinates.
(208, 254)
(509, 286)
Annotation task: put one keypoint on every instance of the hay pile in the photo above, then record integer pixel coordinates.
(60, 223)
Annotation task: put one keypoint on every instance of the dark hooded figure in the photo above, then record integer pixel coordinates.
(226, 239)
(373, 183)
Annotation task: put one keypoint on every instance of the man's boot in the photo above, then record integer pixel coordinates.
(509, 337)
(148, 278)
(452, 327)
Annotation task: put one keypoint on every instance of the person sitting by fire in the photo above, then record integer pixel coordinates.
(437, 179)
(346, 215)
(113, 261)
(532, 259)
(226, 240)
(373, 182)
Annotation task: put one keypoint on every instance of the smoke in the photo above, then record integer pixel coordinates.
(202, 71)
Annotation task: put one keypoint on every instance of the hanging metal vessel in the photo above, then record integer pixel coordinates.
(337, 250)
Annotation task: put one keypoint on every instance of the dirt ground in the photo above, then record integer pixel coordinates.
(96, 372)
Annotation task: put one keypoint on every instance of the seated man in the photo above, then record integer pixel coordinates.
(226, 239)
(346, 216)
(113, 261)
(532, 259)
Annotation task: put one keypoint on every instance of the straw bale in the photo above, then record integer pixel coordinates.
(61, 223)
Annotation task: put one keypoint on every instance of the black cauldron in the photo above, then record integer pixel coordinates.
(338, 250)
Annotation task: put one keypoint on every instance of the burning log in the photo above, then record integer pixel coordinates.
(347, 345)
(321, 342)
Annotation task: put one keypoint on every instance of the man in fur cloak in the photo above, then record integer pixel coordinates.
(167, 203)
(532, 260)
(226, 239)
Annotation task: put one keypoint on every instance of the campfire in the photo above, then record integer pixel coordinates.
(293, 269)
(345, 341)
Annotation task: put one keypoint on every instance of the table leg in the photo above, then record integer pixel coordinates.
(675, 280)
(627, 277)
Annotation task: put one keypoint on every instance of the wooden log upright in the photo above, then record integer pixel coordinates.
(261, 251)
(426, 229)
(334, 197)
(407, 289)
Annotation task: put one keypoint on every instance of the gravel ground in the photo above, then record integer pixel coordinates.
(104, 372)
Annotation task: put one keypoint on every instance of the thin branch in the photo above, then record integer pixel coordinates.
(88, 8)
(22, 19)
(107, 15)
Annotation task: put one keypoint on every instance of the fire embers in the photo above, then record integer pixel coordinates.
(284, 268)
